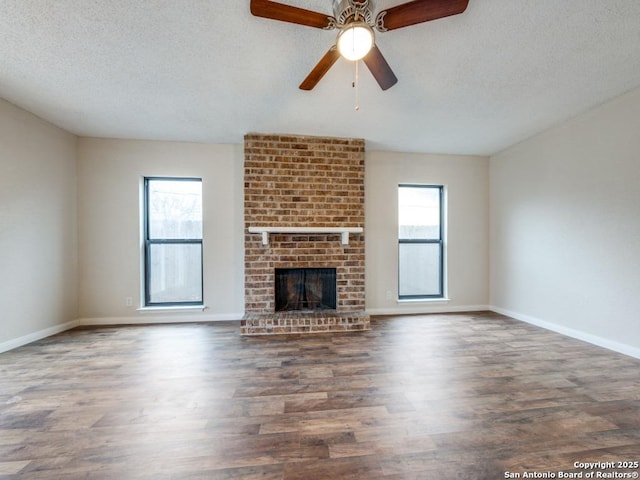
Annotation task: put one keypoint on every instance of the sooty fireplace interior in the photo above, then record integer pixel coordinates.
(305, 289)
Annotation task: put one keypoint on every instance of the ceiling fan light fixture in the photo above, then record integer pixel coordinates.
(355, 40)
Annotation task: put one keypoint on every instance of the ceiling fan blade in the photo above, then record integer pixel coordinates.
(287, 13)
(380, 68)
(418, 11)
(320, 69)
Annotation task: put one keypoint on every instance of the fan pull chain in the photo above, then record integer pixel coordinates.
(355, 86)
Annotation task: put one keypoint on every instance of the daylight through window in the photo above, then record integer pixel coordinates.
(173, 241)
(420, 242)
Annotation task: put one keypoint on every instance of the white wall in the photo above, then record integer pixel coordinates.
(466, 179)
(38, 235)
(565, 227)
(109, 179)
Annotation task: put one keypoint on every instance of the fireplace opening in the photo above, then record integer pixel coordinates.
(305, 289)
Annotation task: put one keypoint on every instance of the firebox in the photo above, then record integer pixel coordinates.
(305, 289)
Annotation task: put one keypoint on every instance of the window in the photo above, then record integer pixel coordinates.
(173, 241)
(420, 242)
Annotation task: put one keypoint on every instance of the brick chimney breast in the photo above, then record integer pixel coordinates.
(300, 181)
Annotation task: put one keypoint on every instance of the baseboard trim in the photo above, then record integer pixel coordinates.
(425, 309)
(146, 319)
(39, 335)
(570, 332)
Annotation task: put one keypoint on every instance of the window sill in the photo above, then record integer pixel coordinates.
(424, 300)
(173, 309)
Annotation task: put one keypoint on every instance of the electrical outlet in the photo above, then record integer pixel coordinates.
(128, 301)
(389, 295)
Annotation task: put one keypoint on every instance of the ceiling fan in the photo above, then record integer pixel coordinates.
(355, 20)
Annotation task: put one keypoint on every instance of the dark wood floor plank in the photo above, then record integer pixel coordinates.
(418, 397)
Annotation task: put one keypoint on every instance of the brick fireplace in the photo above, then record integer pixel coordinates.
(310, 190)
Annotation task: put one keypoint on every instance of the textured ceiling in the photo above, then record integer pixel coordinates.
(208, 71)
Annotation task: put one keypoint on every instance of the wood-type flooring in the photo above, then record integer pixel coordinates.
(452, 396)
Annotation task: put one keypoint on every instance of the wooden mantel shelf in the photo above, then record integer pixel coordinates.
(343, 231)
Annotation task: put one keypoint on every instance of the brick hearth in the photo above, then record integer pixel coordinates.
(296, 181)
(304, 322)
